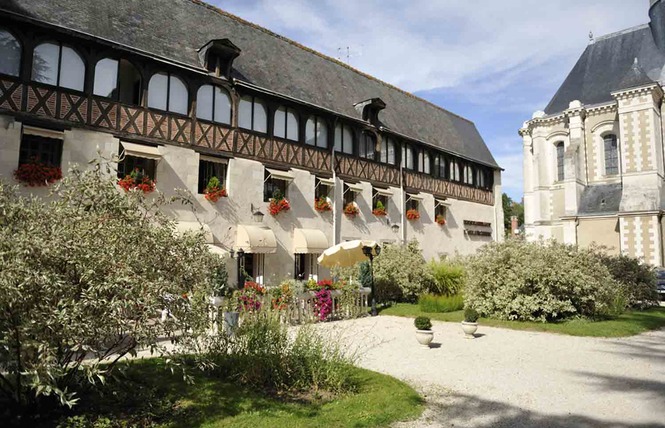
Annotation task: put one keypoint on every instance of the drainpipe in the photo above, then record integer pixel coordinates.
(336, 238)
(403, 198)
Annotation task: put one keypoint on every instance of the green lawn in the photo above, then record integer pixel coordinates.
(628, 324)
(150, 393)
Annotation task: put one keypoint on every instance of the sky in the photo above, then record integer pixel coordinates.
(493, 62)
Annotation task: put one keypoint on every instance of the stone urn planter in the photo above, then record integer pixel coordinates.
(230, 321)
(424, 333)
(470, 325)
(469, 329)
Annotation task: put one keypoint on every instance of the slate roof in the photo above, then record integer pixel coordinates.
(600, 199)
(175, 29)
(605, 64)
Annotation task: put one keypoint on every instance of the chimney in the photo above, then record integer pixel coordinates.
(514, 226)
(657, 24)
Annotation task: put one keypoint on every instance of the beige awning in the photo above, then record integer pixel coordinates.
(255, 240)
(327, 182)
(443, 202)
(383, 192)
(415, 196)
(43, 132)
(309, 241)
(213, 159)
(354, 187)
(280, 175)
(194, 226)
(141, 151)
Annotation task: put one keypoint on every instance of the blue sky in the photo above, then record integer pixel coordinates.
(493, 62)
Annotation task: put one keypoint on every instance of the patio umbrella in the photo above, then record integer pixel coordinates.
(345, 254)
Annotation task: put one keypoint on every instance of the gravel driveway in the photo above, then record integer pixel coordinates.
(507, 378)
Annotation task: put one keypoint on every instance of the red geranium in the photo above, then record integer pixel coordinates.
(412, 214)
(214, 190)
(35, 173)
(440, 219)
(137, 180)
(278, 205)
(322, 204)
(351, 210)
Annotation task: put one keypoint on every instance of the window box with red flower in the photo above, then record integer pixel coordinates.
(278, 204)
(322, 205)
(440, 219)
(412, 215)
(214, 190)
(379, 210)
(35, 173)
(351, 210)
(137, 180)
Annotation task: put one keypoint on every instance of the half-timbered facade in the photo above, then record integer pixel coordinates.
(185, 92)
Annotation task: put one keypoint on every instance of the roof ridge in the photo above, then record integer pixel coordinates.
(621, 32)
(322, 55)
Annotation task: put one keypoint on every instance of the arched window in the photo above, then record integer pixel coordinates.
(439, 166)
(286, 124)
(252, 114)
(344, 139)
(480, 178)
(316, 132)
(467, 176)
(213, 103)
(559, 161)
(10, 54)
(454, 170)
(407, 156)
(58, 65)
(388, 151)
(118, 80)
(611, 154)
(367, 145)
(426, 163)
(168, 92)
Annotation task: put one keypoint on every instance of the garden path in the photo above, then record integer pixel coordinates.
(508, 378)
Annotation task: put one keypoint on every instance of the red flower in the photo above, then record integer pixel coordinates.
(440, 219)
(214, 193)
(137, 180)
(412, 214)
(379, 212)
(35, 173)
(276, 206)
(351, 210)
(322, 204)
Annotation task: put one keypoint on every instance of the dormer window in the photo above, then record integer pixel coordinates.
(217, 57)
(370, 109)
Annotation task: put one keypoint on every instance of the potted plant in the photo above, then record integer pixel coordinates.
(469, 325)
(230, 313)
(35, 173)
(440, 220)
(278, 203)
(351, 210)
(424, 333)
(137, 179)
(379, 210)
(322, 205)
(412, 214)
(214, 190)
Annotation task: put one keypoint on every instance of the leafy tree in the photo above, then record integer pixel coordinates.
(511, 208)
(84, 278)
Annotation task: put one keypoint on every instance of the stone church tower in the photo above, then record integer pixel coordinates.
(594, 159)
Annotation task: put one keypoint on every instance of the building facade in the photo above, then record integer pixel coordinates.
(593, 160)
(185, 92)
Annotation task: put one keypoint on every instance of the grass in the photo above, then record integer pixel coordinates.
(627, 324)
(150, 393)
(432, 303)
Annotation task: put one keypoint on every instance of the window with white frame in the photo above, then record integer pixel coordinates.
(214, 104)
(168, 92)
(58, 65)
(611, 154)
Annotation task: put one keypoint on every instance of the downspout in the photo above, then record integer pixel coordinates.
(334, 177)
(403, 198)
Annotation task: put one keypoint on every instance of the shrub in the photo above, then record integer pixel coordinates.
(638, 280)
(83, 277)
(447, 279)
(538, 281)
(400, 273)
(423, 323)
(431, 303)
(470, 315)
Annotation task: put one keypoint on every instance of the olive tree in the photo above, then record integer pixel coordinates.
(84, 277)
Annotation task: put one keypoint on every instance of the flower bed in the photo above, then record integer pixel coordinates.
(250, 298)
(351, 210)
(440, 220)
(214, 190)
(322, 205)
(412, 215)
(137, 180)
(35, 174)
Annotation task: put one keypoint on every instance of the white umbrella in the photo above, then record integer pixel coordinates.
(345, 254)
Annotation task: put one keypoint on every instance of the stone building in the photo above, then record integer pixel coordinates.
(593, 160)
(186, 92)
